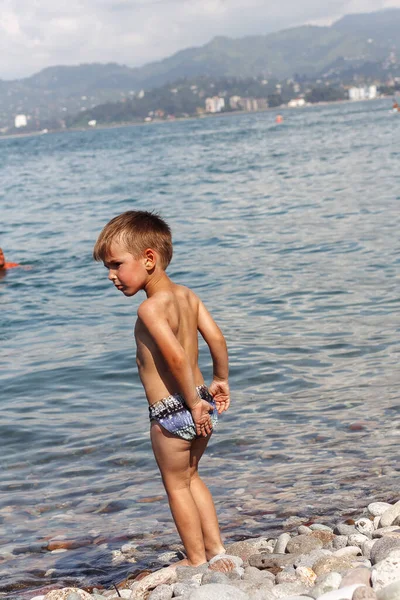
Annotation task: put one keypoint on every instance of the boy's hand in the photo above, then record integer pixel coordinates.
(220, 392)
(202, 419)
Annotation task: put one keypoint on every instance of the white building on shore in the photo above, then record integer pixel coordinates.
(215, 104)
(20, 121)
(363, 93)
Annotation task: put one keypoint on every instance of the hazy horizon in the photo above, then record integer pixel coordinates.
(136, 32)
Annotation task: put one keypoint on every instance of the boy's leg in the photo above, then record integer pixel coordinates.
(204, 502)
(173, 456)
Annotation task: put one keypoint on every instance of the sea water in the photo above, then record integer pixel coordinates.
(290, 234)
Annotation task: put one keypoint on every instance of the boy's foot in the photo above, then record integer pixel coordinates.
(222, 564)
(185, 563)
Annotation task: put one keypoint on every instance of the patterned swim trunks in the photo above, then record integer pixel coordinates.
(173, 414)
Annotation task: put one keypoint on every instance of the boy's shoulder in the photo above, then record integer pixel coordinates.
(159, 302)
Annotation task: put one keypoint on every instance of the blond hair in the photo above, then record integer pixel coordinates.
(137, 230)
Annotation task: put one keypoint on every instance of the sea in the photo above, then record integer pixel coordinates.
(290, 235)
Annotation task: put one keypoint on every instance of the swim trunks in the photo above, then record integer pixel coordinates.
(173, 414)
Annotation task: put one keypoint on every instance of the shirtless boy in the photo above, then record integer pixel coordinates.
(136, 248)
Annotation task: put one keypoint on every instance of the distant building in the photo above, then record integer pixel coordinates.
(235, 102)
(363, 93)
(215, 104)
(20, 121)
(296, 103)
(92, 123)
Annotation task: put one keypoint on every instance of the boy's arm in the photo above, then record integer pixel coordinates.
(215, 340)
(177, 362)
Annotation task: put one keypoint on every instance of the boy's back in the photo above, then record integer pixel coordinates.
(175, 310)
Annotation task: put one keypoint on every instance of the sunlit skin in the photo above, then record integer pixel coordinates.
(6, 265)
(166, 334)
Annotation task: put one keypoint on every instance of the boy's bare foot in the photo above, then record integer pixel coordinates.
(185, 563)
(221, 563)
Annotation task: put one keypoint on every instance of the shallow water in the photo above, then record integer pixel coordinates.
(289, 233)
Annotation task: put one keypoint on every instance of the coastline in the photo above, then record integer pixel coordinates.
(104, 126)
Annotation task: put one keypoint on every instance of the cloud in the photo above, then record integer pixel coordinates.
(37, 34)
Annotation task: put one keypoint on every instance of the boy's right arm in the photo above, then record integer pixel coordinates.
(215, 340)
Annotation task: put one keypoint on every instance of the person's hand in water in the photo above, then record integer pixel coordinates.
(219, 390)
(201, 418)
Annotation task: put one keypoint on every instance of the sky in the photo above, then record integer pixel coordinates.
(35, 34)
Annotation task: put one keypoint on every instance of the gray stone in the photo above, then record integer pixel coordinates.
(331, 563)
(264, 593)
(304, 530)
(326, 583)
(344, 529)
(340, 541)
(366, 548)
(382, 547)
(376, 509)
(288, 575)
(390, 515)
(319, 527)
(268, 561)
(217, 591)
(357, 539)
(214, 577)
(345, 593)
(244, 549)
(162, 592)
(364, 593)
(307, 560)
(254, 574)
(359, 575)
(184, 588)
(73, 596)
(186, 573)
(289, 589)
(386, 571)
(281, 543)
(390, 592)
(302, 544)
(348, 551)
(365, 526)
(393, 531)
(251, 587)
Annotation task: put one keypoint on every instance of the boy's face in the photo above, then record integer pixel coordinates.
(2, 259)
(127, 273)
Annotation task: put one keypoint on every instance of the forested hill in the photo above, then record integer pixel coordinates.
(349, 44)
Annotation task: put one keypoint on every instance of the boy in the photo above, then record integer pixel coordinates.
(136, 248)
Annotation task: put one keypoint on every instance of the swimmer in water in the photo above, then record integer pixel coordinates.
(4, 266)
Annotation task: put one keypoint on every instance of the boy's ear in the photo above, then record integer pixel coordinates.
(150, 258)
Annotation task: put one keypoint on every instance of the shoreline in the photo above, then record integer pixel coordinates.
(105, 126)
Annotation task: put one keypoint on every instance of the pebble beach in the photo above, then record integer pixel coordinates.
(358, 559)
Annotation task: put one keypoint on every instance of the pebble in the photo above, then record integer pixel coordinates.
(376, 509)
(382, 547)
(162, 592)
(390, 515)
(302, 544)
(326, 583)
(281, 543)
(215, 591)
(386, 571)
(365, 526)
(390, 592)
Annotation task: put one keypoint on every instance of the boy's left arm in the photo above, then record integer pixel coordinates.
(177, 362)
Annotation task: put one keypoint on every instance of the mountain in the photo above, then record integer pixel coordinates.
(346, 47)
